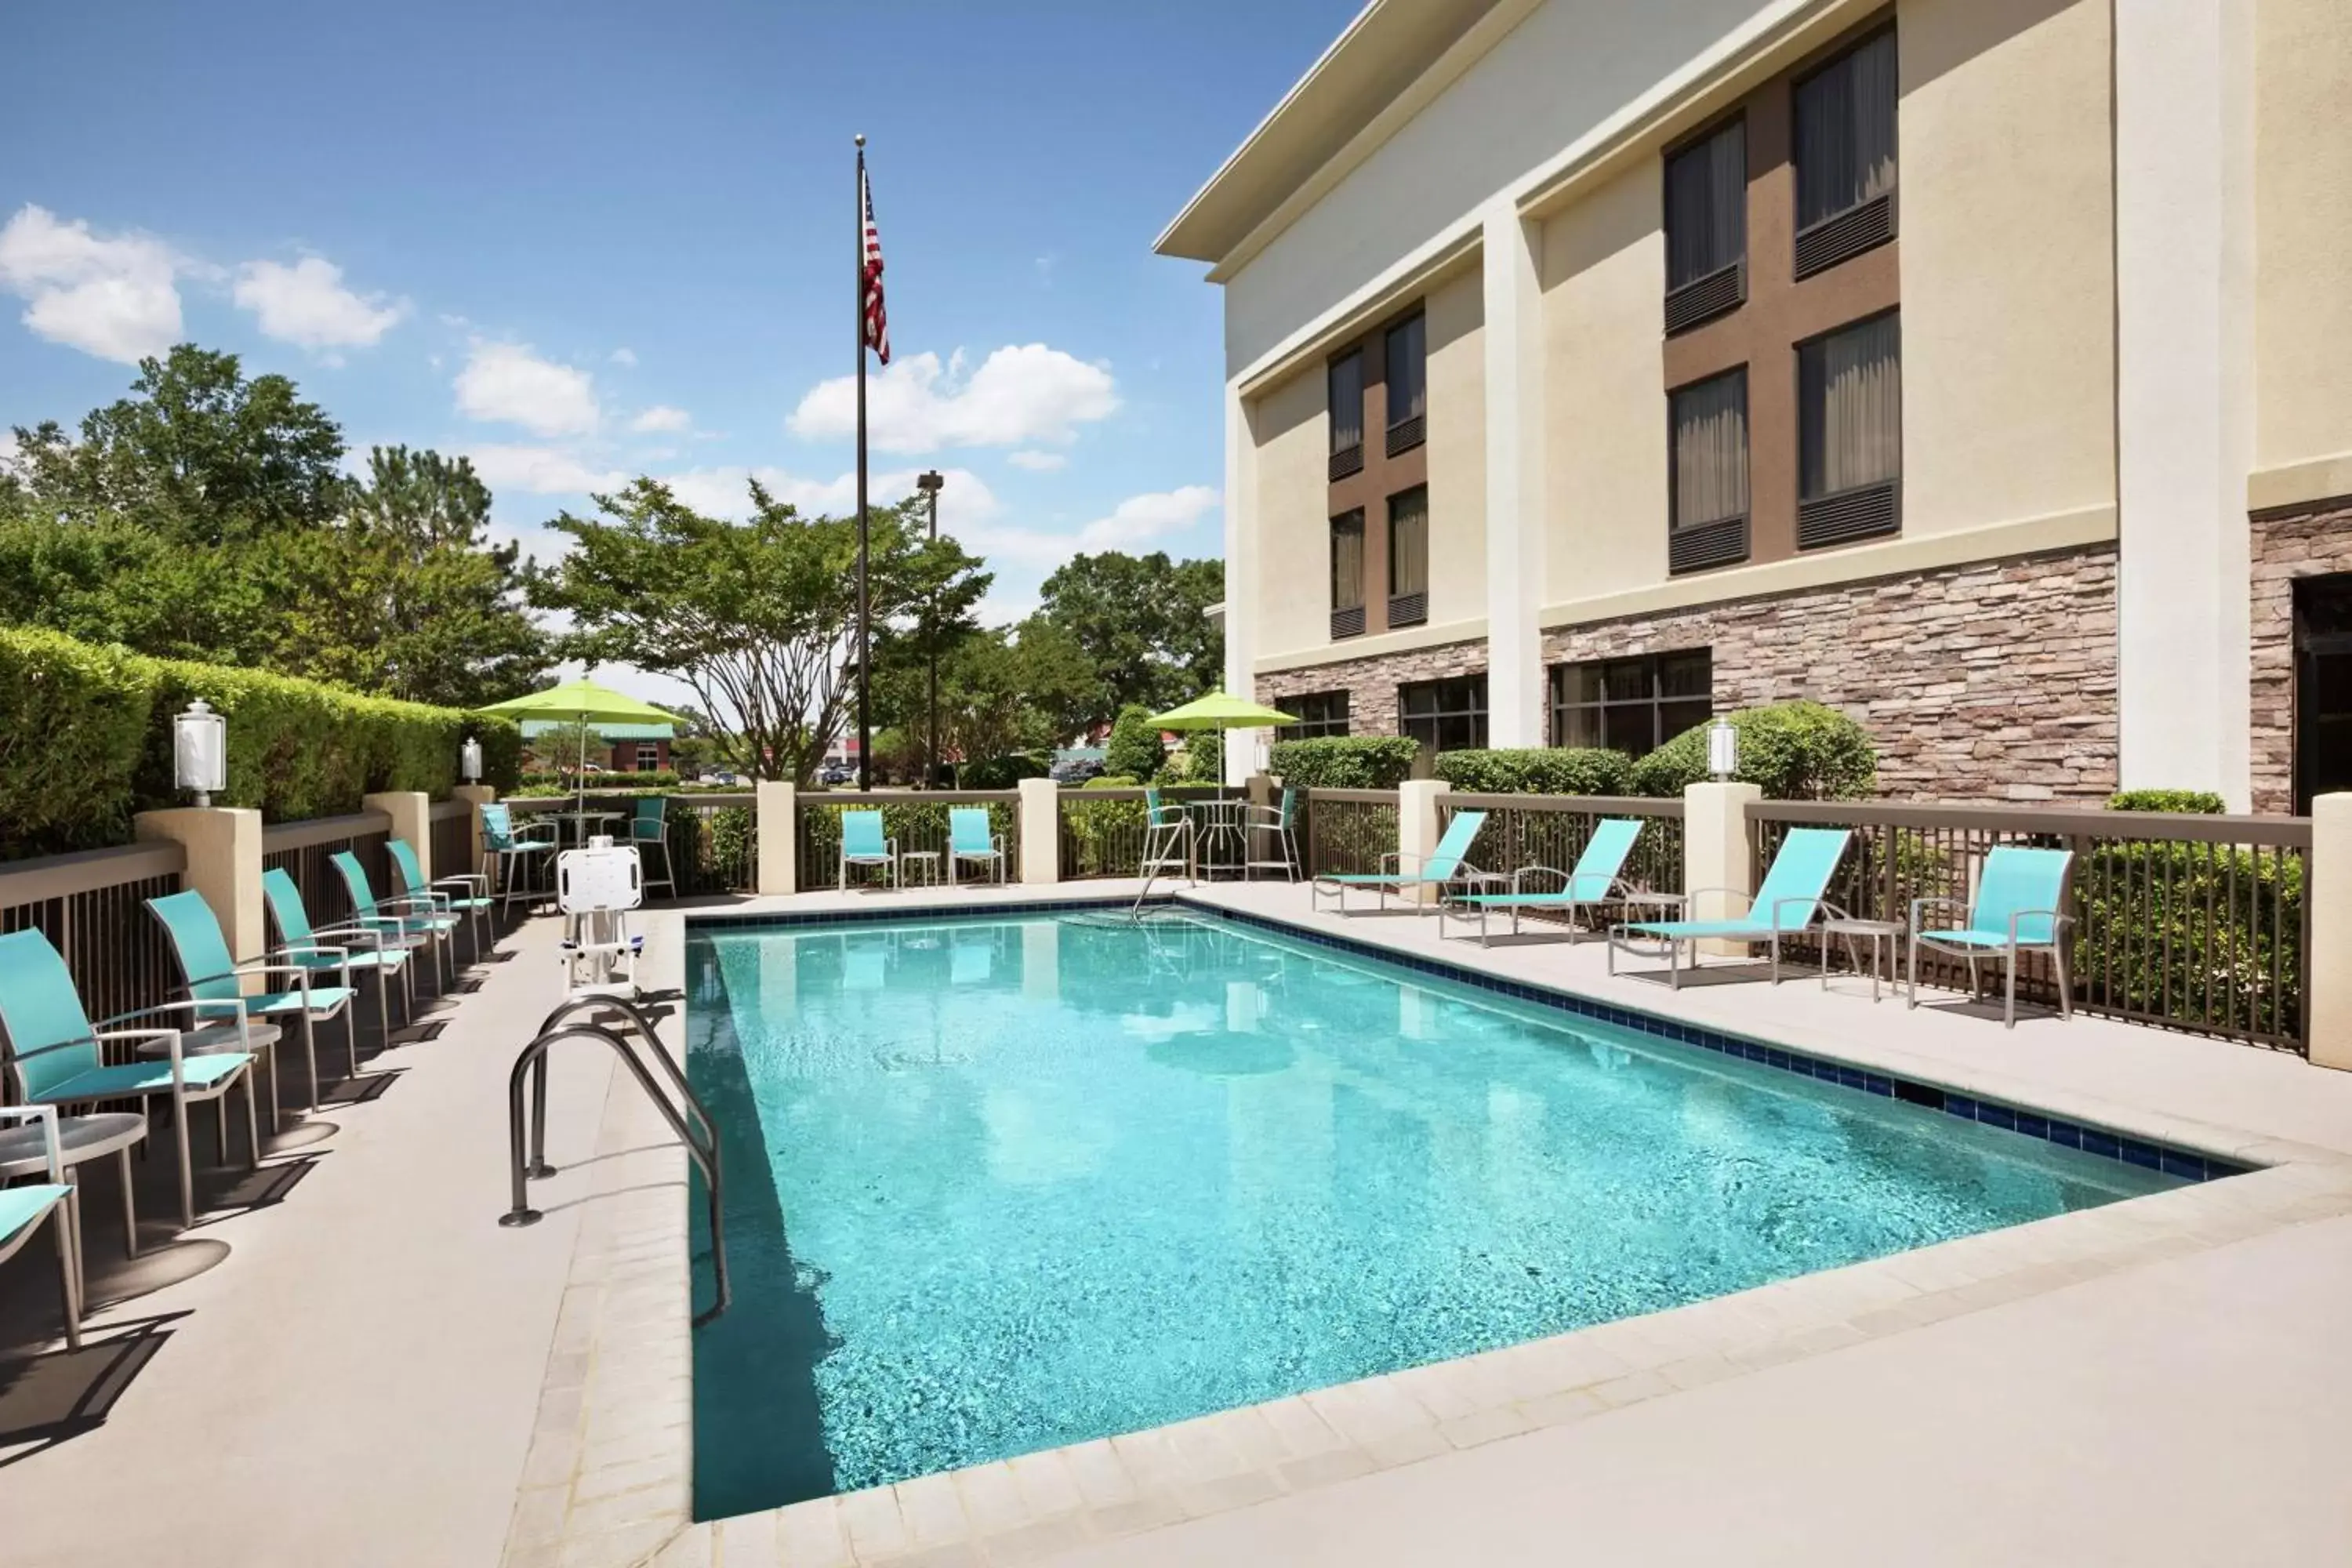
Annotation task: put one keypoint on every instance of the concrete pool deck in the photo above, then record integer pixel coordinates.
(376, 1373)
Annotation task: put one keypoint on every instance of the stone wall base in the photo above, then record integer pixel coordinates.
(1372, 683)
(2304, 541)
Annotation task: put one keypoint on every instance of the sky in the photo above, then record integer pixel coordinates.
(586, 240)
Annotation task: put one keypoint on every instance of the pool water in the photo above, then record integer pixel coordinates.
(996, 1185)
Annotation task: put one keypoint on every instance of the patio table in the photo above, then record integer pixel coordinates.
(1219, 823)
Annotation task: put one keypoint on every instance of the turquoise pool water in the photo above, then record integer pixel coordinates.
(998, 1186)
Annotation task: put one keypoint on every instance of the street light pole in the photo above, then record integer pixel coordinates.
(929, 483)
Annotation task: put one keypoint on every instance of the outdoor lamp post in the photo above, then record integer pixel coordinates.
(1722, 749)
(469, 761)
(200, 751)
(928, 482)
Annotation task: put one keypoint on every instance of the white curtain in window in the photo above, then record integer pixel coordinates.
(1409, 541)
(1348, 560)
(1707, 205)
(1710, 450)
(1407, 371)
(1347, 389)
(1852, 387)
(1845, 132)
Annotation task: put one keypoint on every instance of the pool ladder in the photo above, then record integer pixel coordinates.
(527, 1164)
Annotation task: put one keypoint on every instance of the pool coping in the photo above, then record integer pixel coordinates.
(608, 1480)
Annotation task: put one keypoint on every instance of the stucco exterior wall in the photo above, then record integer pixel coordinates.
(1457, 451)
(2008, 262)
(2303, 220)
(1291, 434)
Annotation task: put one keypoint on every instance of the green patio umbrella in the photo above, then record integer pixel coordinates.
(1220, 711)
(585, 703)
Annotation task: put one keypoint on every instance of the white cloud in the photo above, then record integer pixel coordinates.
(114, 297)
(1135, 523)
(7, 450)
(542, 471)
(661, 416)
(624, 356)
(965, 500)
(307, 305)
(510, 383)
(1038, 462)
(1021, 393)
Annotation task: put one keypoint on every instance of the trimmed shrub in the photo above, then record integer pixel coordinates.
(1794, 750)
(1537, 770)
(1203, 759)
(1134, 747)
(1002, 772)
(86, 740)
(1110, 781)
(1344, 761)
(2199, 801)
(2192, 931)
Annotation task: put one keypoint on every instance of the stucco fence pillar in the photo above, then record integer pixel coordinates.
(776, 810)
(1417, 832)
(411, 811)
(1041, 831)
(476, 797)
(223, 847)
(2327, 961)
(1718, 856)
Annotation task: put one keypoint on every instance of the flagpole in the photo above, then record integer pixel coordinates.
(865, 739)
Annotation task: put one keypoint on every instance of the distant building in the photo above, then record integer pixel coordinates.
(624, 748)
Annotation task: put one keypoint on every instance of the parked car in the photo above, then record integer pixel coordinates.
(1076, 770)
(834, 774)
(723, 779)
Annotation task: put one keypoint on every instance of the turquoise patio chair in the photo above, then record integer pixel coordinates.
(649, 830)
(2018, 908)
(1447, 863)
(54, 1053)
(399, 915)
(1595, 882)
(1279, 823)
(862, 844)
(1166, 826)
(465, 894)
(216, 983)
(969, 838)
(513, 850)
(1790, 900)
(357, 950)
(22, 1210)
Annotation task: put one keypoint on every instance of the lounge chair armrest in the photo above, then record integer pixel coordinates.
(184, 1005)
(47, 1116)
(270, 966)
(1519, 877)
(1742, 894)
(319, 949)
(474, 882)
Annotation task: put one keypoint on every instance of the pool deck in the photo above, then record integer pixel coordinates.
(371, 1370)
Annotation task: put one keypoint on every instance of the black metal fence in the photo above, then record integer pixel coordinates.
(303, 849)
(1347, 831)
(92, 908)
(713, 838)
(2188, 921)
(917, 823)
(1525, 831)
(1102, 830)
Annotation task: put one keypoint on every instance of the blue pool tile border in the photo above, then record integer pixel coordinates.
(2187, 1164)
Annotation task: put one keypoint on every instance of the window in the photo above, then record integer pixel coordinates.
(648, 757)
(1706, 227)
(1409, 557)
(1844, 132)
(1631, 705)
(1347, 391)
(1348, 573)
(1408, 385)
(1708, 478)
(1444, 715)
(1319, 713)
(1850, 433)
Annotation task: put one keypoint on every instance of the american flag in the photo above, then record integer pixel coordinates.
(877, 320)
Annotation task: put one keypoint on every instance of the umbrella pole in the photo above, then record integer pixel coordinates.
(579, 790)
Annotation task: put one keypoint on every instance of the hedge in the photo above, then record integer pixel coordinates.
(1795, 751)
(2198, 802)
(1537, 770)
(86, 742)
(1344, 761)
(1002, 772)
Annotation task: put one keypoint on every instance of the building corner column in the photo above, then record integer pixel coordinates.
(1245, 750)
(1513, 328)
(2327, 996)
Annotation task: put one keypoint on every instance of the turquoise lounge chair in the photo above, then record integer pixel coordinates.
(1597, 881)
(22, 1210)
(358, 949)
(2020, 908)
(1789, 900)
(649, 831)
(969, 838)
(404, 915)
(1447, 863)
(862, 844)
(465, 894)
(217, 981)
(513, 849)
(54, 1053)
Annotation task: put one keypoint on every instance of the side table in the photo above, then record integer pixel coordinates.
(1887, 932)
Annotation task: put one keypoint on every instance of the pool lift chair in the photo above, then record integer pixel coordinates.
(595, 891)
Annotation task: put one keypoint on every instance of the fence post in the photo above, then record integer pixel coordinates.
(411, 811)
(476, 797)
(776, 828)
(224, 845)
(1718, 851)
(2327, 959)
(1417, 827)
(1041, 831)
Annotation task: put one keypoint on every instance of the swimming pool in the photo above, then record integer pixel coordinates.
(998, 1184)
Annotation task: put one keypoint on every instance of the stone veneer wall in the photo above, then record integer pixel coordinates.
(1372, 683)
(2302, 543)
(1989, 682)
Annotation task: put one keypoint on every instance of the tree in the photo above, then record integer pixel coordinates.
(1001, 693)
(1143, 621)
(558, 748)
(944, 584)
(1134, 749)
(757, 619)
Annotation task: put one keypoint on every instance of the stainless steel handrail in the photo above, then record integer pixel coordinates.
(637, 1017)
(706, 1160)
